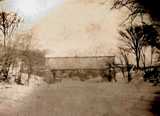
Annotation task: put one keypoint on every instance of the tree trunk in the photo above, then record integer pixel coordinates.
(137, 62)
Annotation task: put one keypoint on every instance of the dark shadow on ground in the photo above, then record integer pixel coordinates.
(155, 105)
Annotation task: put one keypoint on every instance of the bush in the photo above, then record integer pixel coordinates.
(152, 74)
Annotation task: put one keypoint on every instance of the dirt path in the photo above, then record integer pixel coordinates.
(75, 98)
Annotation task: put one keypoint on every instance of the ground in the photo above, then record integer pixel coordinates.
(76, 98)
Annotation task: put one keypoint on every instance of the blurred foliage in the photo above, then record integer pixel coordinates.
(140, 8)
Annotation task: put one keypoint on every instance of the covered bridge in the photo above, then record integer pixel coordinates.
(76, 63)
(81, 67)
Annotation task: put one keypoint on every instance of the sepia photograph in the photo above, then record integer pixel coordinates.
(79, 57)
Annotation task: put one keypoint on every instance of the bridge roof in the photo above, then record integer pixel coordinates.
(87, 62)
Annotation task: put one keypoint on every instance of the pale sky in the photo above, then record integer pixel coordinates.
(71, 27)
(31, 10)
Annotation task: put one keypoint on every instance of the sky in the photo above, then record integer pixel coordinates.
(71, 27)
(31, 10)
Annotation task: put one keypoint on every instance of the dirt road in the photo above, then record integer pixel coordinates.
(75, 98)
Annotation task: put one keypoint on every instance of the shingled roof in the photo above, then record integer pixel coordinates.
(94, 62)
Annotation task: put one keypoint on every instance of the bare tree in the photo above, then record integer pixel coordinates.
(133, 40)
(139, 8)
(9, 22)
(124, 54)
(32, 59)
